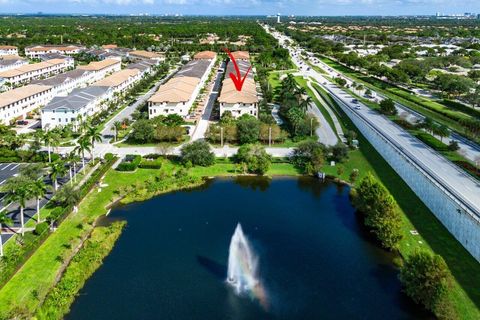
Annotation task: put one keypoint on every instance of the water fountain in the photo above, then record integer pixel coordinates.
(242, 263)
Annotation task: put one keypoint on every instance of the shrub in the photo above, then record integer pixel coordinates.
(427, 279)
(41, 228)
(130, 163)
(380, 211)
(198, 153)
(151, 164)
(56, 213)
(108, 156)
(254, 157)
(432, 142)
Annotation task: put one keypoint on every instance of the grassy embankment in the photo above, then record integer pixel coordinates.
(429, 108)
(433, 236)
(88, 259)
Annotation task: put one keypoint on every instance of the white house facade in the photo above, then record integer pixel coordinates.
(17, 103)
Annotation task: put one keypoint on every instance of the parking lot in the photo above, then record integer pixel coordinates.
(8, 170)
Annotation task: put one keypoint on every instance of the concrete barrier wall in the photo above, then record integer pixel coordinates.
(462, 225)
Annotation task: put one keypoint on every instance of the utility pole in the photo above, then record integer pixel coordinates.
(221, 136)
(269, 136)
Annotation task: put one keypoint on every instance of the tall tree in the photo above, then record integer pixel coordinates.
(18, 190)
(57, 169)
(39, 189)
(94, 136)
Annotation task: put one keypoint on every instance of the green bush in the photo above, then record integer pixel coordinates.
(130, 163)
(427, 280)
(41, 228)
(380, 211)
(431, 141)
(151, 164)
(56, 213)
(109, 156)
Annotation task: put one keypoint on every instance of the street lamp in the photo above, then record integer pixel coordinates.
(311, 127)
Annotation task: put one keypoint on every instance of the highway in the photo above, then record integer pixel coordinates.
(456, 183)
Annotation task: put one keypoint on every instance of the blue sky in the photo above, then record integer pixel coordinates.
(243, 7)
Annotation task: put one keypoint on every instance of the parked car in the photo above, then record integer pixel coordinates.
(22, 122)
(354, 101)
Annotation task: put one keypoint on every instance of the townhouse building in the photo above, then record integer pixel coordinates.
(17, 103)
(74, 108)
(102, 68)
(142, 54)
(177, 95)
(237, 102)
(64, 83)
(36, 52)
(8, 50)
(28, 72)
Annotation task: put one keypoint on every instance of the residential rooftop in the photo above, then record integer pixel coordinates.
(14, 95)
(117, 78)
(61, 78)
(77, 99)
(99, 65)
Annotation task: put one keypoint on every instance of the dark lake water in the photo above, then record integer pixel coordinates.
(315, 259)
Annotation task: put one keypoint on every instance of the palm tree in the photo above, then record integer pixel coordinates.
(4, 219)
(72, 160)
(94, 136)
(47, 139)
(83, 144)
(18, 190)
(305, 103)
(117, 125)
(57, 169)
(39, 189)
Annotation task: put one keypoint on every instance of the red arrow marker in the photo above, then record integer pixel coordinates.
(237, 79)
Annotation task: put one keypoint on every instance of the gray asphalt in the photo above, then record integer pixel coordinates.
(456, 183)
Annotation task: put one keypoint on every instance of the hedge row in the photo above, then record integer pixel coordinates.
(431, 141)
(130, 163)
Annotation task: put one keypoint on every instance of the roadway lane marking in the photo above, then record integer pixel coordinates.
(13, 168)
(3, 181)
(8, 165)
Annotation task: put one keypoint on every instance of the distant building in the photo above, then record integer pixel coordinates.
(35, 52)
(142, 54)
(278, 17)
(8, 50)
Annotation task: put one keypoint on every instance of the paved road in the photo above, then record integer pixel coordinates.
(102, 148)
(202, 125)
(332, 114)
(468, 148)
(108, 132)
(457, 183)
(324, 131)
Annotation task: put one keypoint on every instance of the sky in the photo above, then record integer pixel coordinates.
(243, 7)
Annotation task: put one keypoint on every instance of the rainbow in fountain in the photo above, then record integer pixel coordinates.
(243, 268)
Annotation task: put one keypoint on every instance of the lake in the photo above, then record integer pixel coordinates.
(316, 261)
